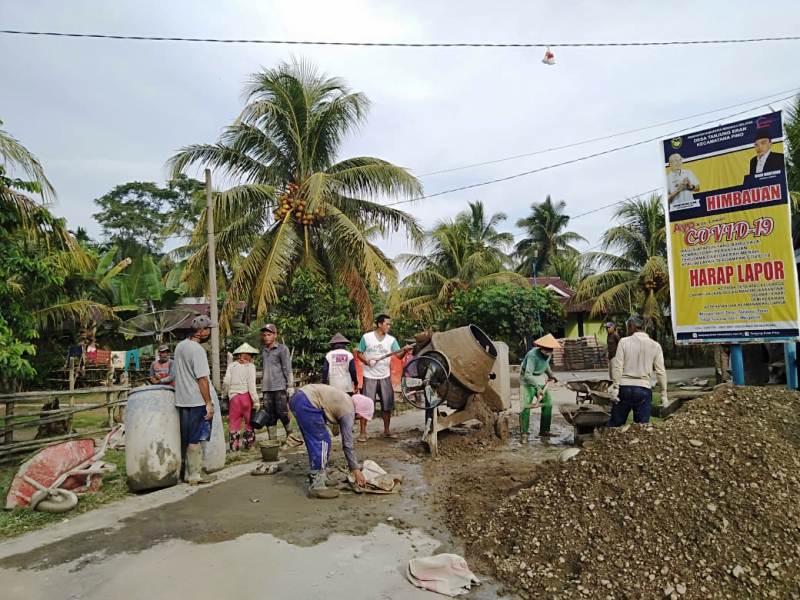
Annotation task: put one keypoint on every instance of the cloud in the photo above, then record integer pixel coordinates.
(100, 113)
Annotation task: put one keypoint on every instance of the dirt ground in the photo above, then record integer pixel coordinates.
(703, 505)
(249, 535)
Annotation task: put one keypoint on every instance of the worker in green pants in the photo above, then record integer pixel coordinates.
(534, 374)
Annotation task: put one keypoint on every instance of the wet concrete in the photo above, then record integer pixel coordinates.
(262, 534)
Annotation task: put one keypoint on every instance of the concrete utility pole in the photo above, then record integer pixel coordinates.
(212, 284)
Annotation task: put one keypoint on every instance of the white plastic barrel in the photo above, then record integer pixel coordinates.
(152, 438)
(214, 449)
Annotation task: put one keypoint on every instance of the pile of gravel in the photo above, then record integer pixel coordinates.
(703, 505)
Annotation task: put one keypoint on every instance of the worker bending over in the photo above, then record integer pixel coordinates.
(315, 404)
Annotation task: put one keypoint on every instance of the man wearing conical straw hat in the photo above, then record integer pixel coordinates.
(534, 374)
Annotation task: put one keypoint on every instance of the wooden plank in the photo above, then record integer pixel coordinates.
(43, 394)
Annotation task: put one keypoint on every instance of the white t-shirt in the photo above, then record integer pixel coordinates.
(339, 369)
(373, 348)
(684, 199)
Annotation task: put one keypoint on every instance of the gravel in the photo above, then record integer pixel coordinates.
(703, 505)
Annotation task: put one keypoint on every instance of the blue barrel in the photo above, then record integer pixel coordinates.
(152, 438)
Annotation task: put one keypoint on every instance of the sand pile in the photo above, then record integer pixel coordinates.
(703, 505)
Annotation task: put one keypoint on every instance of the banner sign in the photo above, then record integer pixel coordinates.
(729, 234)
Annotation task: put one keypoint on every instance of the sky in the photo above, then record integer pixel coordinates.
(100, 113)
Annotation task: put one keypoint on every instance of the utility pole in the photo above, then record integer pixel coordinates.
(540, 331)
(212, 284)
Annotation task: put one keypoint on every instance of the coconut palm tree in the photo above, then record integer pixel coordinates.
(545, 235)
(36, 232)
(572, 268)
(295, 203)
(453, 260)
(634, 256)
(483, 235)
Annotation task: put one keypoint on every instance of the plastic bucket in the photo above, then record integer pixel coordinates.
(259, 419)
(269, 450)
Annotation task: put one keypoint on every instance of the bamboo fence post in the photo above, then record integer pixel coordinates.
(8, 436)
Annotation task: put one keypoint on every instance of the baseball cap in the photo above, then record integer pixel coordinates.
(163, 348)
(270, 327)
(201, 322)
(610, 324)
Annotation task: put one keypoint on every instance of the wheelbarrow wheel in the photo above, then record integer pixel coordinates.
(54, 501)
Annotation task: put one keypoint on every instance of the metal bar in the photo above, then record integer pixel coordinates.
(737, 364)
(790, 355)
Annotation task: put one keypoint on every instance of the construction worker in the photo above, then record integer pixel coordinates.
(313, 406)
(612, 341)
(162, 371)
(276, 379)
(193, 399)
(637, 357)
(535, 373)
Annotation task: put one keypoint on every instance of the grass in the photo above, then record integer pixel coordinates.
(21, 520)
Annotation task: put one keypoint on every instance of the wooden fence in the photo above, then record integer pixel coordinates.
(42, 410)
(52, 418)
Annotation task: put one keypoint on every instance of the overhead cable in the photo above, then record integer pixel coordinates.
(153, 38)
(579, 158)
(606, 137)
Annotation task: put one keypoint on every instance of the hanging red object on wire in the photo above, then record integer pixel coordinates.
(549, 57)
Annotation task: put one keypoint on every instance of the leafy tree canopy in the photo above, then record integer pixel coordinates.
(307, 315)
(136, 216)
(508, 313)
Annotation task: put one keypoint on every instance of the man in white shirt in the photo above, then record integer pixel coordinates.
(632, 370)
(680, 185)
(339, 367)
(375, 352)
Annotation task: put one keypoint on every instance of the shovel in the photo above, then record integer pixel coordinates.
(539, 396)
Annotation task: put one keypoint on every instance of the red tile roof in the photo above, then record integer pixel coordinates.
(566, 294)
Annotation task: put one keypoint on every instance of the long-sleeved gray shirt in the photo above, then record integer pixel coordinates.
(338, 408)
(276, 364)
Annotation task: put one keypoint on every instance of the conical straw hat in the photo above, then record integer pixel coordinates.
(245, 349)
(548, 341)
(339, 339)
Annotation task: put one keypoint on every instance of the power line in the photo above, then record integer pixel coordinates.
(600, 208)
(606, 137)
(151, 38)
(579, 158)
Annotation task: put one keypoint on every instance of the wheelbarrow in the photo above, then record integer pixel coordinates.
(51, 480)
(585, 418)
(590, 390)
(591, 409)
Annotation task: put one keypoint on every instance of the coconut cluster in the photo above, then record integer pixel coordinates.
(293, 205)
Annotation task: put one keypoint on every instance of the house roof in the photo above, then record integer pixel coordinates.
(555, 284)
(563, 291)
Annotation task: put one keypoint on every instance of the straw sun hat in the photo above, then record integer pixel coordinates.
(245, 349)
(548, 341)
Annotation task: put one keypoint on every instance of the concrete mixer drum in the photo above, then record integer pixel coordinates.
(425, 380)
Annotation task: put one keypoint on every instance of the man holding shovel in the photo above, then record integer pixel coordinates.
(375, 352)
(535, 375)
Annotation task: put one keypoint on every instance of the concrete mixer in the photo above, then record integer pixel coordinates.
(463, 370)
